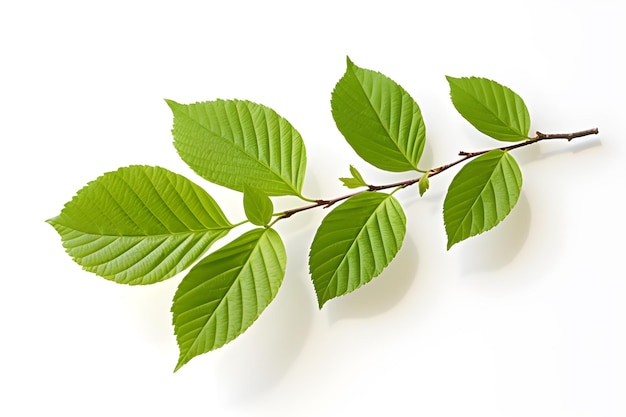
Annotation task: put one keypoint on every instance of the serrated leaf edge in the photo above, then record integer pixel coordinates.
(452, 242)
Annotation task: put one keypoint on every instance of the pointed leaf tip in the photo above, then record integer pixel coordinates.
(490, 107)
(378, 119)
(355, 243)
(481, 195)
(139, 225)
(237, 142)
(224, 294)
(171, 104)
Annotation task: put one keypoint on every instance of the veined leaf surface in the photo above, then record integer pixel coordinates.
(139, 224)
(379, 119)
(354, 243)
(491, 108)
(481, 195)
(257, 205)
(424, 183)
(227, 291)
(356, 181)
(235, 142)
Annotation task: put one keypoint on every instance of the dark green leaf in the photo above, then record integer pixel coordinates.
(491, 108)
(226, 292)
(139, 225)
(257, 205)
(354, 243)
(379, 119)
(234, 142)
(481, 195)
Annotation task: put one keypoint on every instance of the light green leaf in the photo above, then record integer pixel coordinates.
(379, 119)
(257, 205)
(234, 142)
(139, 225)
(354, 243)
(356, 181)
(491, 108)
(424, 183)
(481, 195)
(226, 292)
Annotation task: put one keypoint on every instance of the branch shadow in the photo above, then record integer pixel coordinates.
(533, 154)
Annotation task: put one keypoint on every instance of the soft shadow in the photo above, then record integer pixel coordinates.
(427, 157)
(258, 359)
(534, 153)
(380, 294)
(149, 306)
(498, 247)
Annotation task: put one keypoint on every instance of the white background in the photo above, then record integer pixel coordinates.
(526, 320)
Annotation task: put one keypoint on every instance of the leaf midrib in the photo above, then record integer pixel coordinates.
(496, 114)
(242, 150)
(158, 235)
(344, 258)
(221, 301)
(378, 116)
(470, 210)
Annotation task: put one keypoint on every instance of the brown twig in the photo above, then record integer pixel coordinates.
(435, 171)
(568, 136)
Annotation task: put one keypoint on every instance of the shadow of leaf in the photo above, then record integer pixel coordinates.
(498, 247)
(383, 292)
(259, 358)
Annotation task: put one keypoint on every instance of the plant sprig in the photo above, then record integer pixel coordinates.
(436, 171)
(140, 224)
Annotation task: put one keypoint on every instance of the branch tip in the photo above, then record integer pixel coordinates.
(435, 171)
(568, 136)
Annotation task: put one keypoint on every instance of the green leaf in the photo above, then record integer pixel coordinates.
(481, 195)
(491, 108)
(257, 205)
(234, 142)
(379, 119)
(424, 183)
(139, 225)
(226, 292)
(356, 181)
(354, 243)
